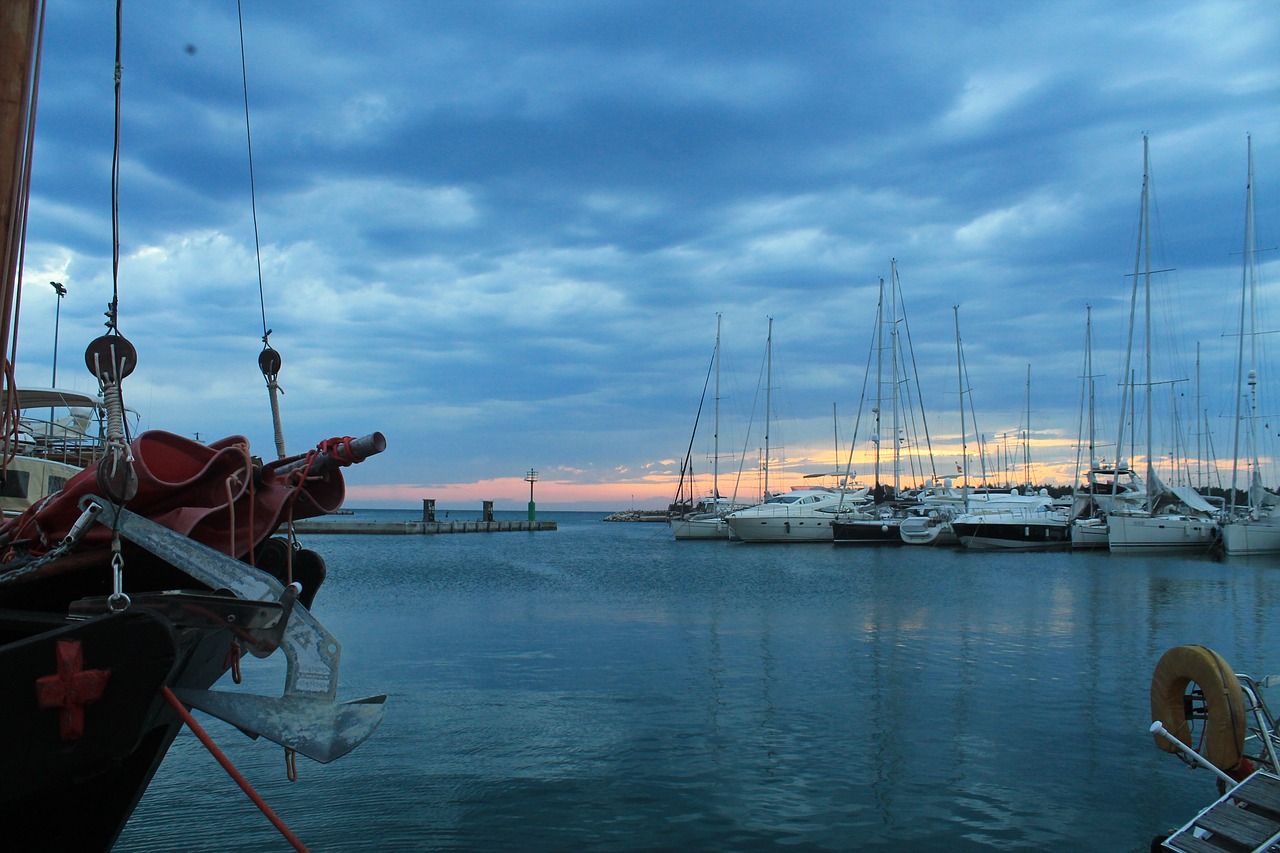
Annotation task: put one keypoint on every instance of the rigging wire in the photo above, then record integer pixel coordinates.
(115, 183)
(253, 198)
(111, 357)
(268, 359)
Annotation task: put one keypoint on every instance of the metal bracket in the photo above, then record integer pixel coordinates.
(258, 624)
(311, 651)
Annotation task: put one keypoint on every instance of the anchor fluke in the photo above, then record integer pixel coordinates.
(317, 728)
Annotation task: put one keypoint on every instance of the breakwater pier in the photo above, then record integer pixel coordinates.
(422, 527)
(428, 525)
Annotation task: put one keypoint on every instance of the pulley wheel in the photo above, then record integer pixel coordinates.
(113, 355)
(269, 362)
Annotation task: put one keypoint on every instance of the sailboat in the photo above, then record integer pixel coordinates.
(1169, 517)
(706, 521)
(933, 526)
(879, 523)
(1104, 484)
(1255, 527)
(800, 515)
(127, 592)
(1023, 522)
(942, 505)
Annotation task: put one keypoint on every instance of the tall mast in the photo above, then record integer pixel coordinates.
(835, 434)
(894, 295)
(1026, 439)
(1086, 422)
(1126, 394)
(1247, 317)
(768, 401)
(964, 440)
(1088, 372)
(1200, 479)
(875, 438)
(715, 441)
(1146, 296)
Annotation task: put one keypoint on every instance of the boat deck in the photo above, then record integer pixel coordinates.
(1246, 818)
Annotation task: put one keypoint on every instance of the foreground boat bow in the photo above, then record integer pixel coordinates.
(105, 608)
(306, 717)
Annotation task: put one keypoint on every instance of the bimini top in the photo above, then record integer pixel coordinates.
(48, 398)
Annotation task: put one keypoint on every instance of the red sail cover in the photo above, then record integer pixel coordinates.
(199, 490)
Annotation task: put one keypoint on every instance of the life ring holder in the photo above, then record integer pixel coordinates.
(1222, 742)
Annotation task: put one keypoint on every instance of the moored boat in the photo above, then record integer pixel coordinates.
(128, 590)
(1169, 517)
(1090, 532)
(706, 521)
(802, 515)
(56, 436)
(879, 526)
(1035, 527)
(891, 374)
(1253, 528)
(930, 528)
(1250, 535)
(1107, 488)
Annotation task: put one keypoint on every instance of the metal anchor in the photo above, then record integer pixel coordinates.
(306, 718)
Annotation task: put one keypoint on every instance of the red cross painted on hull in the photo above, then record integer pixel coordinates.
(71, 689)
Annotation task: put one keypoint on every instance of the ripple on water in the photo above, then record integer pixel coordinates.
(605, 688)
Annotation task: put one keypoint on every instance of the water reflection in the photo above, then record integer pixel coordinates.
(604, 688)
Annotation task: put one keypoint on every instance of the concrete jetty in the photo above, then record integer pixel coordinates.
(391, 528)
(429, 525)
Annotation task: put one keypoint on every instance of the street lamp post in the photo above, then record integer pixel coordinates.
(532, 477)
(57, 321)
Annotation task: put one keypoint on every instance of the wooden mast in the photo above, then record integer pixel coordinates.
(17, 114)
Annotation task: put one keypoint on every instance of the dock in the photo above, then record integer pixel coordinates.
(408, 528)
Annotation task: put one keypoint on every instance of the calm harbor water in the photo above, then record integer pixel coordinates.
(603, 687)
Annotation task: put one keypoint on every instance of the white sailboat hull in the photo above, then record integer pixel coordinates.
(1130, 533)
(1251, 536)
(1089, 533)
(700, 528)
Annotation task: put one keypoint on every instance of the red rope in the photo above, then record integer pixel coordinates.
(231, 769)
(339, 449)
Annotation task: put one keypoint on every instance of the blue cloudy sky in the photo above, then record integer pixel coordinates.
(500, 232)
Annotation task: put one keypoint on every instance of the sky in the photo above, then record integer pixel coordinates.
(503, 233)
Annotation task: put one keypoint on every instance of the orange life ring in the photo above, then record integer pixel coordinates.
(1224, 729)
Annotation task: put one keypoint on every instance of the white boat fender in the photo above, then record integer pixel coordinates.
(1225, 724)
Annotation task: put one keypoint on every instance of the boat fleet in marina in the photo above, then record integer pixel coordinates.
(935, 515)
(1112, 506)
(1128, 520)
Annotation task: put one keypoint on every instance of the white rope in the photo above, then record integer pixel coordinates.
(274, 390)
